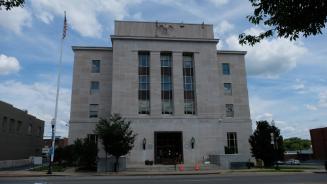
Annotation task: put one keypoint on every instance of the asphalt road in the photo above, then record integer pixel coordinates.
(298, 178)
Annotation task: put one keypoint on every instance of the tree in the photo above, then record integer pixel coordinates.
(9, 4)
(296, 144)
(116, 136)
(261, 147)
(88, 155)
(286, 18)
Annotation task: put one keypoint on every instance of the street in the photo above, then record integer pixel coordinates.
(249, 178)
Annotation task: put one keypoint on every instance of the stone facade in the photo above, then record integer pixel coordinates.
(21, 134)
(119, 84)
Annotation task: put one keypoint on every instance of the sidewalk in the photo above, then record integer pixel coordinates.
(71, 172)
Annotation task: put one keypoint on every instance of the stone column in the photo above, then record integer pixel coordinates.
(178, 88)
(155, 84)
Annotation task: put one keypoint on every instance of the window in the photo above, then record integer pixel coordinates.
(4, 123)
(229, 110)
(188, 78)
(40, 132)
(19, 126)
(166, 83)
(226, 69)
(231, 147)
(29, 129)
(12, 126)
(144, 82)
(95, 66)
(93, 110)
(189, 106)
(228, 88)
(95, 86)
(92, 138)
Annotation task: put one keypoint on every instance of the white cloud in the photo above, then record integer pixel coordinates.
(218, 2)
(270, 57)
(83, 15)
(38, 99)
(8, 65)
(223, 27)
(323, 99)
(311, 107)
(15, 19)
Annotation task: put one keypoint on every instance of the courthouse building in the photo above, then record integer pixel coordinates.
(188, 102)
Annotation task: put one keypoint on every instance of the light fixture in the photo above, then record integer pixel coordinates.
(192, 142)
(144, 143)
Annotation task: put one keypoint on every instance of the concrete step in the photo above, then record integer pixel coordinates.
(167, 168)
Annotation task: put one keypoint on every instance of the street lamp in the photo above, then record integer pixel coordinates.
(53, 122)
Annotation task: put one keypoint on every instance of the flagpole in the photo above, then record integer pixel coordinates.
(54, 120)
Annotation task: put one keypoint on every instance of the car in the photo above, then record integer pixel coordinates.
(293, 162)
(279, 162)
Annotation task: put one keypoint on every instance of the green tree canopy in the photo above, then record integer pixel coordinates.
(286, 18)
(9, 4)
(116, 136)
(261, 146)
(296, 144)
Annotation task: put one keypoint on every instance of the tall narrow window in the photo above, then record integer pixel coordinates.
(4, 123)
(228, 89)
(12, 126)
(93, 110)
(19, 127)
(95, 66)
(188, 75)
(95, 86)
(166, 83)
(231, 147)
(29, 129)
(144, 83)
(226, 68)
(229, 110)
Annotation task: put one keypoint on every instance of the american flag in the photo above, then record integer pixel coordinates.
(65, 27)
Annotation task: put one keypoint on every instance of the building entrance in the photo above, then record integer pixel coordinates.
(168, 147)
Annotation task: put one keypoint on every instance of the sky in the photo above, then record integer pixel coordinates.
(287, 81)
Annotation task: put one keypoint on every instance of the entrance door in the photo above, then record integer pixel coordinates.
(168, 147)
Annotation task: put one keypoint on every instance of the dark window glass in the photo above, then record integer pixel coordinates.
(95, 66)
(226, 69)
(144, 82)
(231, 147)
(4, 123)
(229, 110)
(93, 113)
(188, 78)
(227, 88)
(95, 86)
(166, 83)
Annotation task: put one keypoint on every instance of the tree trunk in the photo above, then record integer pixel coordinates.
(116, 164)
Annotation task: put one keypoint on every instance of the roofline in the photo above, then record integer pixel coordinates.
(151, 22)
(75, 48)
(21, 110)
(115, 37)
(231, 52)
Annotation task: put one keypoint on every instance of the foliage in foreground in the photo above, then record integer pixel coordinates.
(286, 18)
(9, 4)
(116, 136)
(261, 147)
(83, 154)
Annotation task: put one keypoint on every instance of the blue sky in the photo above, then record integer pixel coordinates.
(287, 81)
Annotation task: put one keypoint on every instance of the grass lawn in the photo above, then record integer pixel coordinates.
(55, 168)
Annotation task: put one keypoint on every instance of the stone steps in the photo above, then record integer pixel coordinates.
(168, 168)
